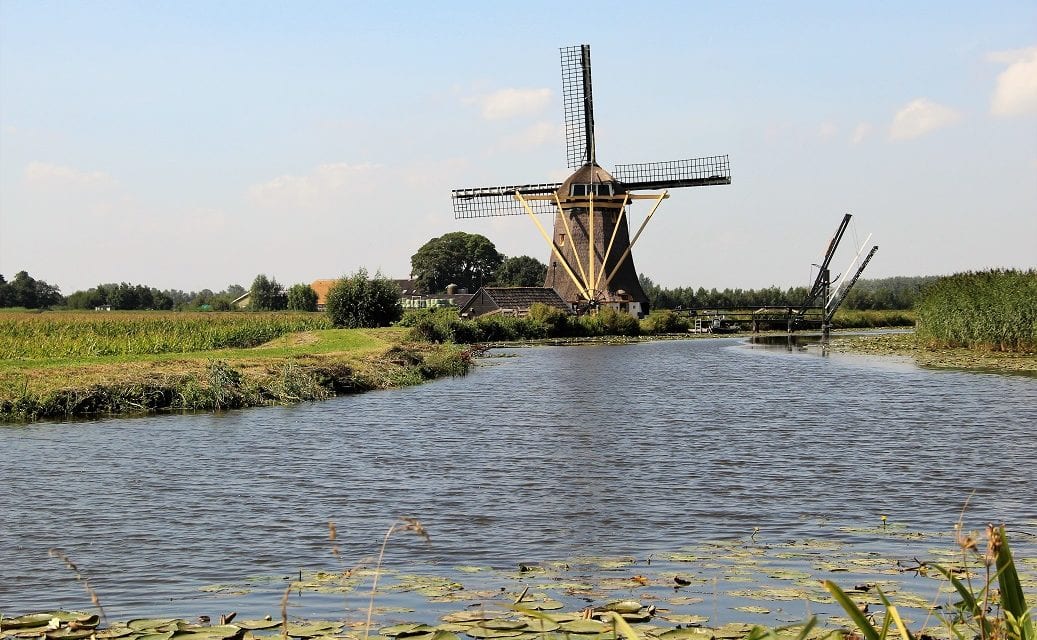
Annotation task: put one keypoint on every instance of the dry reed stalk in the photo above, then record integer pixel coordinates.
(403, 524)
(57, 553)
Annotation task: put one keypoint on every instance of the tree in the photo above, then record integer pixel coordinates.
(26, 291)
(466, 259)
(521, 271)
(267, 295)
(358, 301)
(302, 297)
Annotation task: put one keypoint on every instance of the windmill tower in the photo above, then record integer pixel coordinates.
(591, 263)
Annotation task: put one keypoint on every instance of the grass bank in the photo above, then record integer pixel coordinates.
(64, 365)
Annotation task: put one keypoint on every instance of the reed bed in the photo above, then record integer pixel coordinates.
(37, 336)
(992, 310)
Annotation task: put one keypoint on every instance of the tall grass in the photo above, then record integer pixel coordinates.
(993, 310)
(993, 610)
(76, 335)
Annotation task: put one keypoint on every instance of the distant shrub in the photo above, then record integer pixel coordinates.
(359, 301)
(610, 322)
(664, 321)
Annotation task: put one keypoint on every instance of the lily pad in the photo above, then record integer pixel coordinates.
(254, 625)
(695, 620)
(752, 609)
(482, 632)
(687, 633)
(584, 626)
(141, 624)
(622, 606)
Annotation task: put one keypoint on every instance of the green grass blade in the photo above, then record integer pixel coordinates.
(891, 612)
(624, 627)
(966, 596)
(866, 628)
(1012, 598)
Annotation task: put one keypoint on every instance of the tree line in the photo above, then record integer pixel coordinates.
(899, 293)
(467, 260)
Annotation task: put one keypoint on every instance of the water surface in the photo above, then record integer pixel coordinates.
(547, 454)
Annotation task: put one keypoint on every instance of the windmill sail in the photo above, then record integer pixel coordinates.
(578, 105)
(695, 172)
(485, 202)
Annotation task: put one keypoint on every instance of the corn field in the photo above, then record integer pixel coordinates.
(994, 310)
(36, 336)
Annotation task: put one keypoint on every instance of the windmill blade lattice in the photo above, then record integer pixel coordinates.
(694, 172)
(578, 105)
(486, 202)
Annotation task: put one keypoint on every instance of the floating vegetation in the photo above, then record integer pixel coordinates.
(603, 598)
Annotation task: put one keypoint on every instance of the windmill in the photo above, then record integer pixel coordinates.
(591, 263)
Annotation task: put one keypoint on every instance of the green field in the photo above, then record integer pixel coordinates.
(63, 364)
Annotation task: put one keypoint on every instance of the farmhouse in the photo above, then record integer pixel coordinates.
(511, 301)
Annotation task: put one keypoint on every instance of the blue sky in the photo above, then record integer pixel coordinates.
(196, 144)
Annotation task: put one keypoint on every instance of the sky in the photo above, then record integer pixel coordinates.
(196, 144)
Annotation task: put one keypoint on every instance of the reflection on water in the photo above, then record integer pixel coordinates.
(554, 453)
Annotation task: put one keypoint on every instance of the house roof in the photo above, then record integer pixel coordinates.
(321, 287)
(520, 297)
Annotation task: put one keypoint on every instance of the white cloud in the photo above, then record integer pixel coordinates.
(533, 136)
(919, 117)
(1016, 90)
(327, 183)
(862, 131)
(827, 130)
(511, 103)
(55, 176)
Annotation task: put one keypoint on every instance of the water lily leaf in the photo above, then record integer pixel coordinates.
(685, 619)
(453, 627)
(622, 606)
(684, 600)
(69, 634)
(608, 563)
(114, 632)
(162, 635)
(687, 633)
(406, 629)
(257, 624)
(503, 624)
(733, 630)
(752, 609)
(141, 624)
(466, 616)
(28, 621)
(215, 632)
(440, 634)
(542, 625)
(584, 626)
(312, 629)
(482, 632)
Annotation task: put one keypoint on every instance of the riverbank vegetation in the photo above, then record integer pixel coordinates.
(992, 310)
(544, 322)
(68, 364)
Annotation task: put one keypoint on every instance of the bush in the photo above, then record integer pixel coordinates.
(610, 322)
(358, 301)
(302, 297)
(664, 321)
(554, 322)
